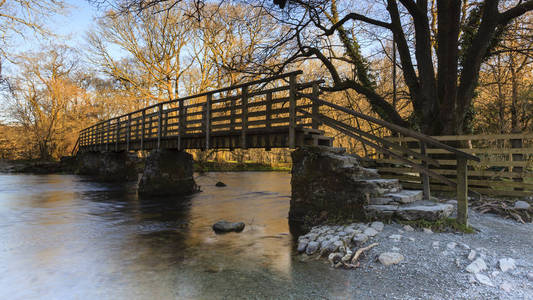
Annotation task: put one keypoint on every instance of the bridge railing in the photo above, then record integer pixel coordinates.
(267, 104)
(399, 152)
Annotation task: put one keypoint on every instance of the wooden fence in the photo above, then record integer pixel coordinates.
(505, 169)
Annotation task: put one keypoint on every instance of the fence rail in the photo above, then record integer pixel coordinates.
(505, 167)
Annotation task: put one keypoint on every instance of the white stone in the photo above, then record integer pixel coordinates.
(465, 246)
(506, 264)
(427, 230)
(530, 276)
(451, 245)
(390, 258)
(476, 266)
(395, 237)
(370, 232)
(471, 278)
(472, 255)
(521, 205)
(495, 273)
(435, 244)
(408, 228)
(411, 239)
(377, 226)
(395, 249)
(506, 286)
(484, 279)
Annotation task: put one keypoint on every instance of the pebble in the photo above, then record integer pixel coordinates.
(312, 247)
(476, 266)
(370, 232)
(390, 258)
(408, 228)
(395, 237)
(506, 286)
(427, 230)
(360, 238)
(451, 245)
(377, 226)
(484, 279)
(302, 245)
(411, 239)
(435, 244)
(495, 273)
(472, 255)
(395, 249)
(506, 264)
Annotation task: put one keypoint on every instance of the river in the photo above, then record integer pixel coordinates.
(65, 236)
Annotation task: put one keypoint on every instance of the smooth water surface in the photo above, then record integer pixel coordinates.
(64, 237)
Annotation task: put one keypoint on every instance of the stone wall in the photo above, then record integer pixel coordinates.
(328, 184)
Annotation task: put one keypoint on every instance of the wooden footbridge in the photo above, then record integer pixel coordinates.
(276, 112)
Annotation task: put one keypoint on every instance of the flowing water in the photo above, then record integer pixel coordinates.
(64, 237)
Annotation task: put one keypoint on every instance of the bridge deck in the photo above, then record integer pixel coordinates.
(265, 113)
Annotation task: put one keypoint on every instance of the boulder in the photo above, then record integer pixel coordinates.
(484, 279)
(225, 226)
(371, 232)
(168, 173)
(377, 225)
(390, 258)
(424, 210)
(312, 247)
(220, 184)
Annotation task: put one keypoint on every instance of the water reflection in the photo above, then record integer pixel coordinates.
(64, 236)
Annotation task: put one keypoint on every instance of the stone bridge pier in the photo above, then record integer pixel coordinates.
(166, 172)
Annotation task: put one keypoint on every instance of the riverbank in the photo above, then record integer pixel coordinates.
(65, 167)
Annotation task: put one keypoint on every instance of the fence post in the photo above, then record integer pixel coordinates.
(424, 176)
(159, 127)
(315, 108)
(517, 144)
(181, 123)
(462, 190)
(292, 112)
(107, 134)
(128, 133)
(244, 117)
(207, 119)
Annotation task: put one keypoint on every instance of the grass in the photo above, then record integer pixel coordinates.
(442, 225)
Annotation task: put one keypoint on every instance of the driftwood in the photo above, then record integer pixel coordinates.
(504, 208)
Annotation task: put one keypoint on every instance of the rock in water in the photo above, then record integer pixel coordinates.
(225, 226)
(371, 232)
(220, 184)
(390, 258)
(476, 266)
(506, 264)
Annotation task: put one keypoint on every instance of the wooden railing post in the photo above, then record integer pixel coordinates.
(462, 190)
(117, 134)
(108, 128)
(101, 137)
(232, 114)
(181, 123)
(315, 108)
(142, 128)
(292, 112)
(244, 115)
(159, 125)
(425, 176)
(207, 119)
(268, 112)
(128, 133)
